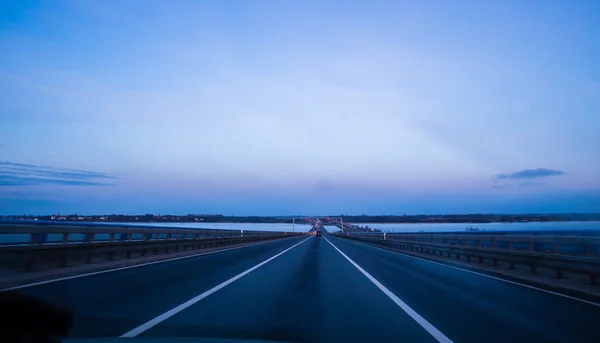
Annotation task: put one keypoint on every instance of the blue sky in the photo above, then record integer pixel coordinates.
(299, 107)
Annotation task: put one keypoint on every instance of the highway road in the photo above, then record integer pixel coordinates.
(316, 289)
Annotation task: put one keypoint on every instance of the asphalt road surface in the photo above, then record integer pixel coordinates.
(316, 289)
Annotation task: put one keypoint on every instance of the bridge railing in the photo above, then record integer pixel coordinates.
(579, 254)
(30, 246)
(38, 235)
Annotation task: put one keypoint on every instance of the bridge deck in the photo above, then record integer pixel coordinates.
(308, 291)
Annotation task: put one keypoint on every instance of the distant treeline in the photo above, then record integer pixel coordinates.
(473, 218)
(152, 218)
(218, 218)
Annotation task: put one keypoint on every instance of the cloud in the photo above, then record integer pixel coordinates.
(530, 174)
(26, 181)
(528, 184)
(19, 174)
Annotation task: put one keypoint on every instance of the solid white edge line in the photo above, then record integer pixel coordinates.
(432, 330)
(131, 267)
(493, 277)
(157, 320)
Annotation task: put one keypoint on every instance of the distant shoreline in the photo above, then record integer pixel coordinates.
(469, 219)
(298, 222)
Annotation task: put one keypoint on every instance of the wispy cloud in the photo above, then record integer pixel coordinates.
(530, 174)
(528, 184)
(19, 174)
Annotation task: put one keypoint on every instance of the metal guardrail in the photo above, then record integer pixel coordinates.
(31, 234)
(31, 245)
(560, 253)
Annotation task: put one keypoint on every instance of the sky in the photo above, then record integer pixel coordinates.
(299, 107)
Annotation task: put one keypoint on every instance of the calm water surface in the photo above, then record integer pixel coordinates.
(228, 226)
(450, 227)
(389, 227)
(446, 227)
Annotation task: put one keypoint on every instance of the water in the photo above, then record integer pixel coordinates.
(495, 227)
(227, 226)
(7, 239)
(575, 227)
(331, 228)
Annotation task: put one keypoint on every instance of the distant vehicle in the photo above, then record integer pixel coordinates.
(318, 233)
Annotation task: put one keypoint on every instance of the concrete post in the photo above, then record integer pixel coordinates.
(90, 237)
